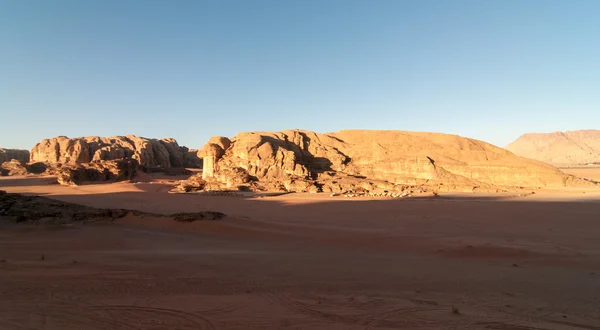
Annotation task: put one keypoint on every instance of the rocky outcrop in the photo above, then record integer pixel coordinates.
(213, 150)
(17, 167)
(13, 167)
(560, 148)
(164, 153)
(368, 161)
(42, 210)
(7, 155)
(97, 171)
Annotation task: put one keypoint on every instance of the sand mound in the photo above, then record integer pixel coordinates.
(560, 148)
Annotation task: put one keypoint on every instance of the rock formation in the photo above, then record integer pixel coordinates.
(164, 153)
(366, 161)
(211, 152)
(42, 210)
(560, 148)
(16, 167)
(7, 155)
(13, 167)
(101, 170)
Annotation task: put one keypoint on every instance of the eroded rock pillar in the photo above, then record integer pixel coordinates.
(208, 167)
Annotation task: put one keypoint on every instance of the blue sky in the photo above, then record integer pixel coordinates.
(490, 70)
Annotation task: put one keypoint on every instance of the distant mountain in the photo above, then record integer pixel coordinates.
(560, 148)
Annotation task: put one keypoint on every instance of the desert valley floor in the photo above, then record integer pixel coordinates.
(304, 261)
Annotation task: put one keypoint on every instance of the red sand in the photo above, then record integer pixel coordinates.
(305, 262)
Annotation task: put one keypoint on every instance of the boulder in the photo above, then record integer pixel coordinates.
(220, 141)
(13, 167)
(98, 171)
(211, 150)
(192, 184)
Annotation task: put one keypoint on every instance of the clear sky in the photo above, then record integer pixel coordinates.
(490, 70)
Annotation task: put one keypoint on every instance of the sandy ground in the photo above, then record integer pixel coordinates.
(304, 261)
(587, 172)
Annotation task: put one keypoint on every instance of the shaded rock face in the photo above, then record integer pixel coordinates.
(103, 170)
(16, 167)
(42, 210)
(36, 209)
(164, 153)
(40, 168)
(7, 155)
(190, 158)
(370, 160)
(193, 183)
(560, 148)
(213, 150)
(13, 167)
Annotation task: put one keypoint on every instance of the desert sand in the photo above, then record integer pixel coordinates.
(588, 172)
(304, 261)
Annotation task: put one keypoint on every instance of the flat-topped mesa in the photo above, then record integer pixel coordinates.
(297, 160)
(163, 153)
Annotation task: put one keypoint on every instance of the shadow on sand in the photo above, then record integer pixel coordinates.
(458, 225)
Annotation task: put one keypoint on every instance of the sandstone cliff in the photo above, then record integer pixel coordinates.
(164, 153)
(560, 148)
(7, 155)
(368, 160)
